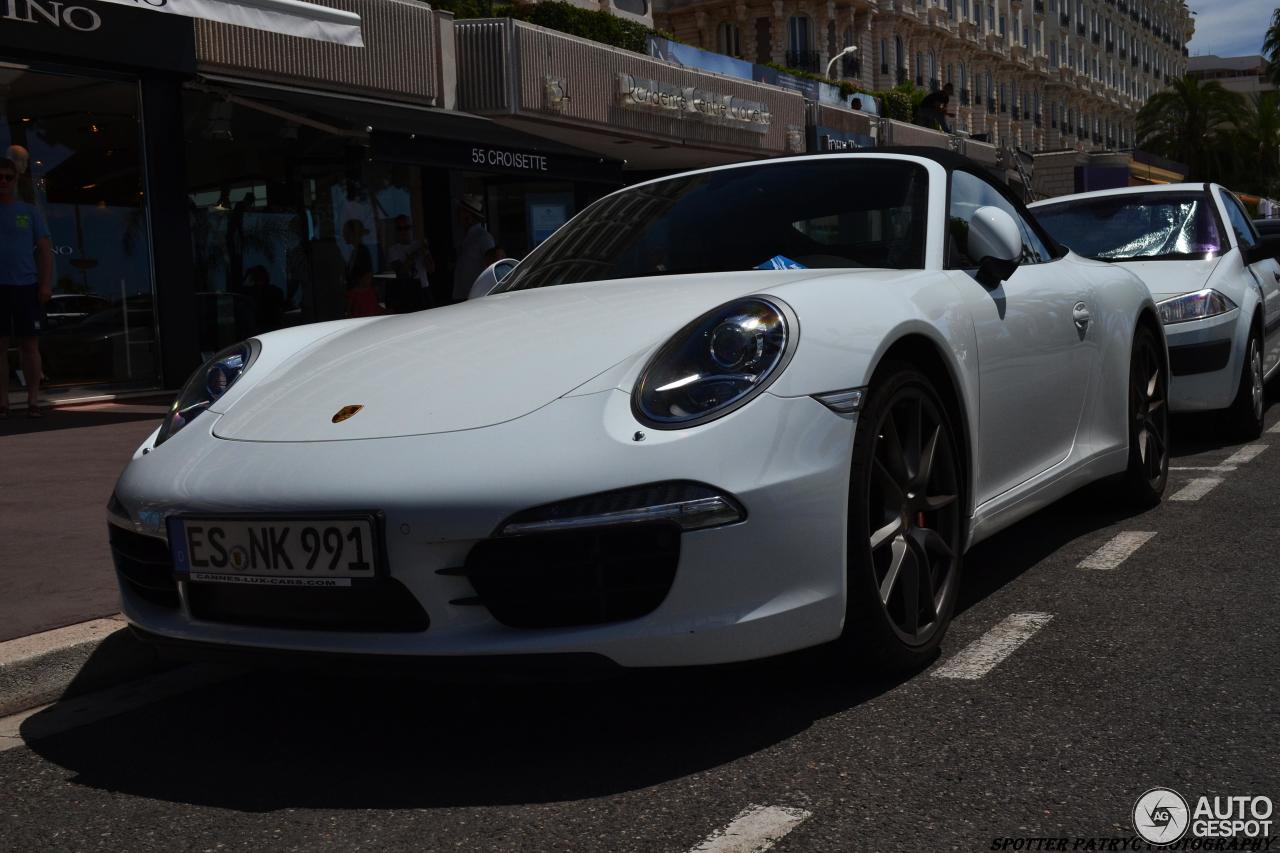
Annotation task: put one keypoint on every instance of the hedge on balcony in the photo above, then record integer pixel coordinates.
(597, 26)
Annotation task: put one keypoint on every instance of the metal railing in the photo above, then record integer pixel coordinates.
(805, 60)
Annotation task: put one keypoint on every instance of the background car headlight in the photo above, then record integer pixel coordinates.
(715, 364)
(206, 385)
(1194, 306)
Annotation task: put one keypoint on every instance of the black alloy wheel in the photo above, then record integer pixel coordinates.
(1247, 411)
(906, 525)
(1148, 471)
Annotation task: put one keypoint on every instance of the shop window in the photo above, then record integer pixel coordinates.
(287, 217)
(77, 144)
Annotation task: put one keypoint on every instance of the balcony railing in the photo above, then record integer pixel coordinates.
(1066, 19)
(1079, 28)
(964, 97)
(1004, 108)
(1124, 53)
(1146, 68)
(805, 60)
(1111, 46)
(1134, 60)
(1014, 114)
(1039, 121)
(1096, 38)
(1038, 7)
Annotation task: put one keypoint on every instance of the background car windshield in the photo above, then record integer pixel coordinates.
(1139, 226)
(834, 213)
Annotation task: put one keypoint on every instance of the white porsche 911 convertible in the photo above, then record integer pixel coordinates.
(717, 416)
(1215, 280)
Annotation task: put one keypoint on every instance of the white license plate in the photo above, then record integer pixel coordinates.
(305, 552)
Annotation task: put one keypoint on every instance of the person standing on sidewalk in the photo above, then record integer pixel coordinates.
(26, 284)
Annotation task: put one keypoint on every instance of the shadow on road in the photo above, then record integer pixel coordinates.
(269, 741)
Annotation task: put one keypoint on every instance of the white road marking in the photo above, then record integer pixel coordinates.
(1115, 552)
(1224, 469)
(756, 828)
(1275, 427)
(1196, 489)
(981, 656)
(59, 717)
(1245, 454)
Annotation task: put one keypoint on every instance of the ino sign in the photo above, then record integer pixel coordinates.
(51, 13)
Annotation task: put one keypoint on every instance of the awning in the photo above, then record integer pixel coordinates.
(290, 17)
(425, 136)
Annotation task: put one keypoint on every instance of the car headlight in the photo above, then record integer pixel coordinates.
(715, 364)
(1194, 306)
(206, 385)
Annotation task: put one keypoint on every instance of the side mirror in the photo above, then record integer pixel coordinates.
(996, 241)
(492, 277)
(1268, 247)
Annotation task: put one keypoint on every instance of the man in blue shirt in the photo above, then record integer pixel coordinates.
(26, 284)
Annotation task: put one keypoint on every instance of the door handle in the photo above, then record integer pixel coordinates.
(1081, 315)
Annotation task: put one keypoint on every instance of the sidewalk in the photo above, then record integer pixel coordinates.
(56, 474)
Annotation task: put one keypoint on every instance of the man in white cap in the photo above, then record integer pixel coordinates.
(476, 243)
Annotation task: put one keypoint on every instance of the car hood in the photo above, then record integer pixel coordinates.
(1166, 279)
(475, 364)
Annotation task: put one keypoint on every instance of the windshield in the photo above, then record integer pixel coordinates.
(1135, 226)
(834, 213)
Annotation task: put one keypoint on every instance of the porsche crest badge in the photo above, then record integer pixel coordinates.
(346, 412)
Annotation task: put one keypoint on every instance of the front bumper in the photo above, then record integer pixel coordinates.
(768, 585)
(1205, 360)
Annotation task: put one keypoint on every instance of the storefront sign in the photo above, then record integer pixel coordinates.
(96, 32)
(80, 18)
(481, 155)
(291, 17)
(497, 158)
(690, 102)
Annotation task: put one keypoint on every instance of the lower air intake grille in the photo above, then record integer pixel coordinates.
(144, 566)
(386, 606)
(585, 577)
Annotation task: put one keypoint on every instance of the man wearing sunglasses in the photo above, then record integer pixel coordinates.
(26, 283)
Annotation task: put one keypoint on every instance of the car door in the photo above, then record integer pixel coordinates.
(1036, 350)
(1265, 272)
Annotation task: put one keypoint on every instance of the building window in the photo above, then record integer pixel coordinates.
(1002, 25)
(728, 39)
(1053, 54)
(991, 17)
(800, 39)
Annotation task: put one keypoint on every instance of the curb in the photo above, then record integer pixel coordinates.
(66, 662)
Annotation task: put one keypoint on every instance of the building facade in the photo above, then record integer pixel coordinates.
(1037, 74)
(1244, 74)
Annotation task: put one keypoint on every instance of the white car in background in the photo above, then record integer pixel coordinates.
(1215, 280)
(717, 416)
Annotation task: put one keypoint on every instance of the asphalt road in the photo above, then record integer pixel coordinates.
(1161, 671)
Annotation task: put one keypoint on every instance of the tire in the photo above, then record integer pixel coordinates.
(1244, 418)
(1148, 471)
(905, 526)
